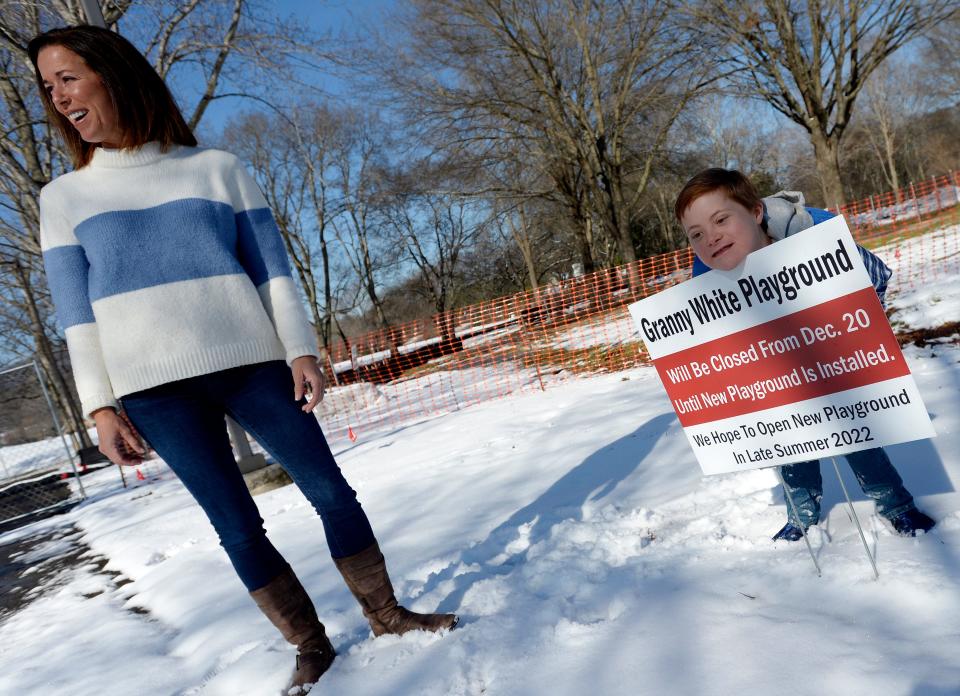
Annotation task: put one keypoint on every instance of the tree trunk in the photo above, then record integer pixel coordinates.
(63, 407)
(827, 152)
(370, 285)
(583, 232)
(445, 322)
(889, 152)
(625, 242)
(616, 218)
(377, 305)
(522, 238)
(527, 253)
(326, 328)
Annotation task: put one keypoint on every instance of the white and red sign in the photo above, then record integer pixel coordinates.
(788, 358)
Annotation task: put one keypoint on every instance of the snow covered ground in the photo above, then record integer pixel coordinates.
(573, 533)
(919, 300)
(17, 460)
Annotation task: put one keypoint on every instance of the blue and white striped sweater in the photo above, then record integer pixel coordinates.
(165, 266)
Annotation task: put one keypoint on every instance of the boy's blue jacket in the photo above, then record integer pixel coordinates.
(785, 215)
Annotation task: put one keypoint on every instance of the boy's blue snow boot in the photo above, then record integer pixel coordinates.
(790, 532)
(910, 522)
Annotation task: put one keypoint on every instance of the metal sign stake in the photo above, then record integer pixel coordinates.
(796, 516)
(853, 514)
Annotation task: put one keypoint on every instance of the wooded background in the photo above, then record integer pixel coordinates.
(475, 148)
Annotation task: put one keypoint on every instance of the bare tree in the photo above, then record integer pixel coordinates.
(518, 223)
(435, 230)
(942, 57)
(891, 99)
(810, 59)
(583, 93)
(292, 158)
(525, 219)
(316, 145)
(359, 164)
(737, 134)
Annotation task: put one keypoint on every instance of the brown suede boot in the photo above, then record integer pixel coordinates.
(284, 601)
(366, 575)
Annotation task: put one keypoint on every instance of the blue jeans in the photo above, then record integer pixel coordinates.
(872, 467)
(184, 422)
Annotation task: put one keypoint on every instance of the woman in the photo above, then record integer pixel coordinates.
(173, 286)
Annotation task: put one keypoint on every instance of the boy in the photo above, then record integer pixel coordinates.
(725, 219)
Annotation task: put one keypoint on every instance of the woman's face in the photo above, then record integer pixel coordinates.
(77, 92)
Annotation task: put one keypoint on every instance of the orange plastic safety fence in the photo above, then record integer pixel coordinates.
(394, 377)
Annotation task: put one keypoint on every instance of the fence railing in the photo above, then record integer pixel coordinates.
(581, 325)
(37, 471)
(537, 338)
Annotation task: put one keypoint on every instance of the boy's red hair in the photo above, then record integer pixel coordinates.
(730, 181)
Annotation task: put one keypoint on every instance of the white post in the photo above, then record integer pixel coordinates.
(246, 459)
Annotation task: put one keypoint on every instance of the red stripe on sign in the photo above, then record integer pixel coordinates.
(831, 347)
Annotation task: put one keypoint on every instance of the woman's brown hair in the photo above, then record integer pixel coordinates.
(146, 111)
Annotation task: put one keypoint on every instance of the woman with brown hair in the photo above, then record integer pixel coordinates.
(173, 286)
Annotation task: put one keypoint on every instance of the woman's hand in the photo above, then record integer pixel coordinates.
(308, 380)
(118, 441)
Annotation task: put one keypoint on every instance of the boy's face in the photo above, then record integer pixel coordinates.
(721, 231)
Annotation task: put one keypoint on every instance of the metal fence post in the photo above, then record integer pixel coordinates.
(56, 422)
(91, 8)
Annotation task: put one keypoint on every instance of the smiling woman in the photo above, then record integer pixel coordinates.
(171, 281)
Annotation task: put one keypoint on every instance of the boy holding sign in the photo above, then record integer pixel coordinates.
(725, 219)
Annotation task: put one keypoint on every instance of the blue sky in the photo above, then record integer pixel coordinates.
(334, 17)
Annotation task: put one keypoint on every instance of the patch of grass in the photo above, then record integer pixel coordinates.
(593, 359)
(588, 360)
(921, 337)
(872, 238)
